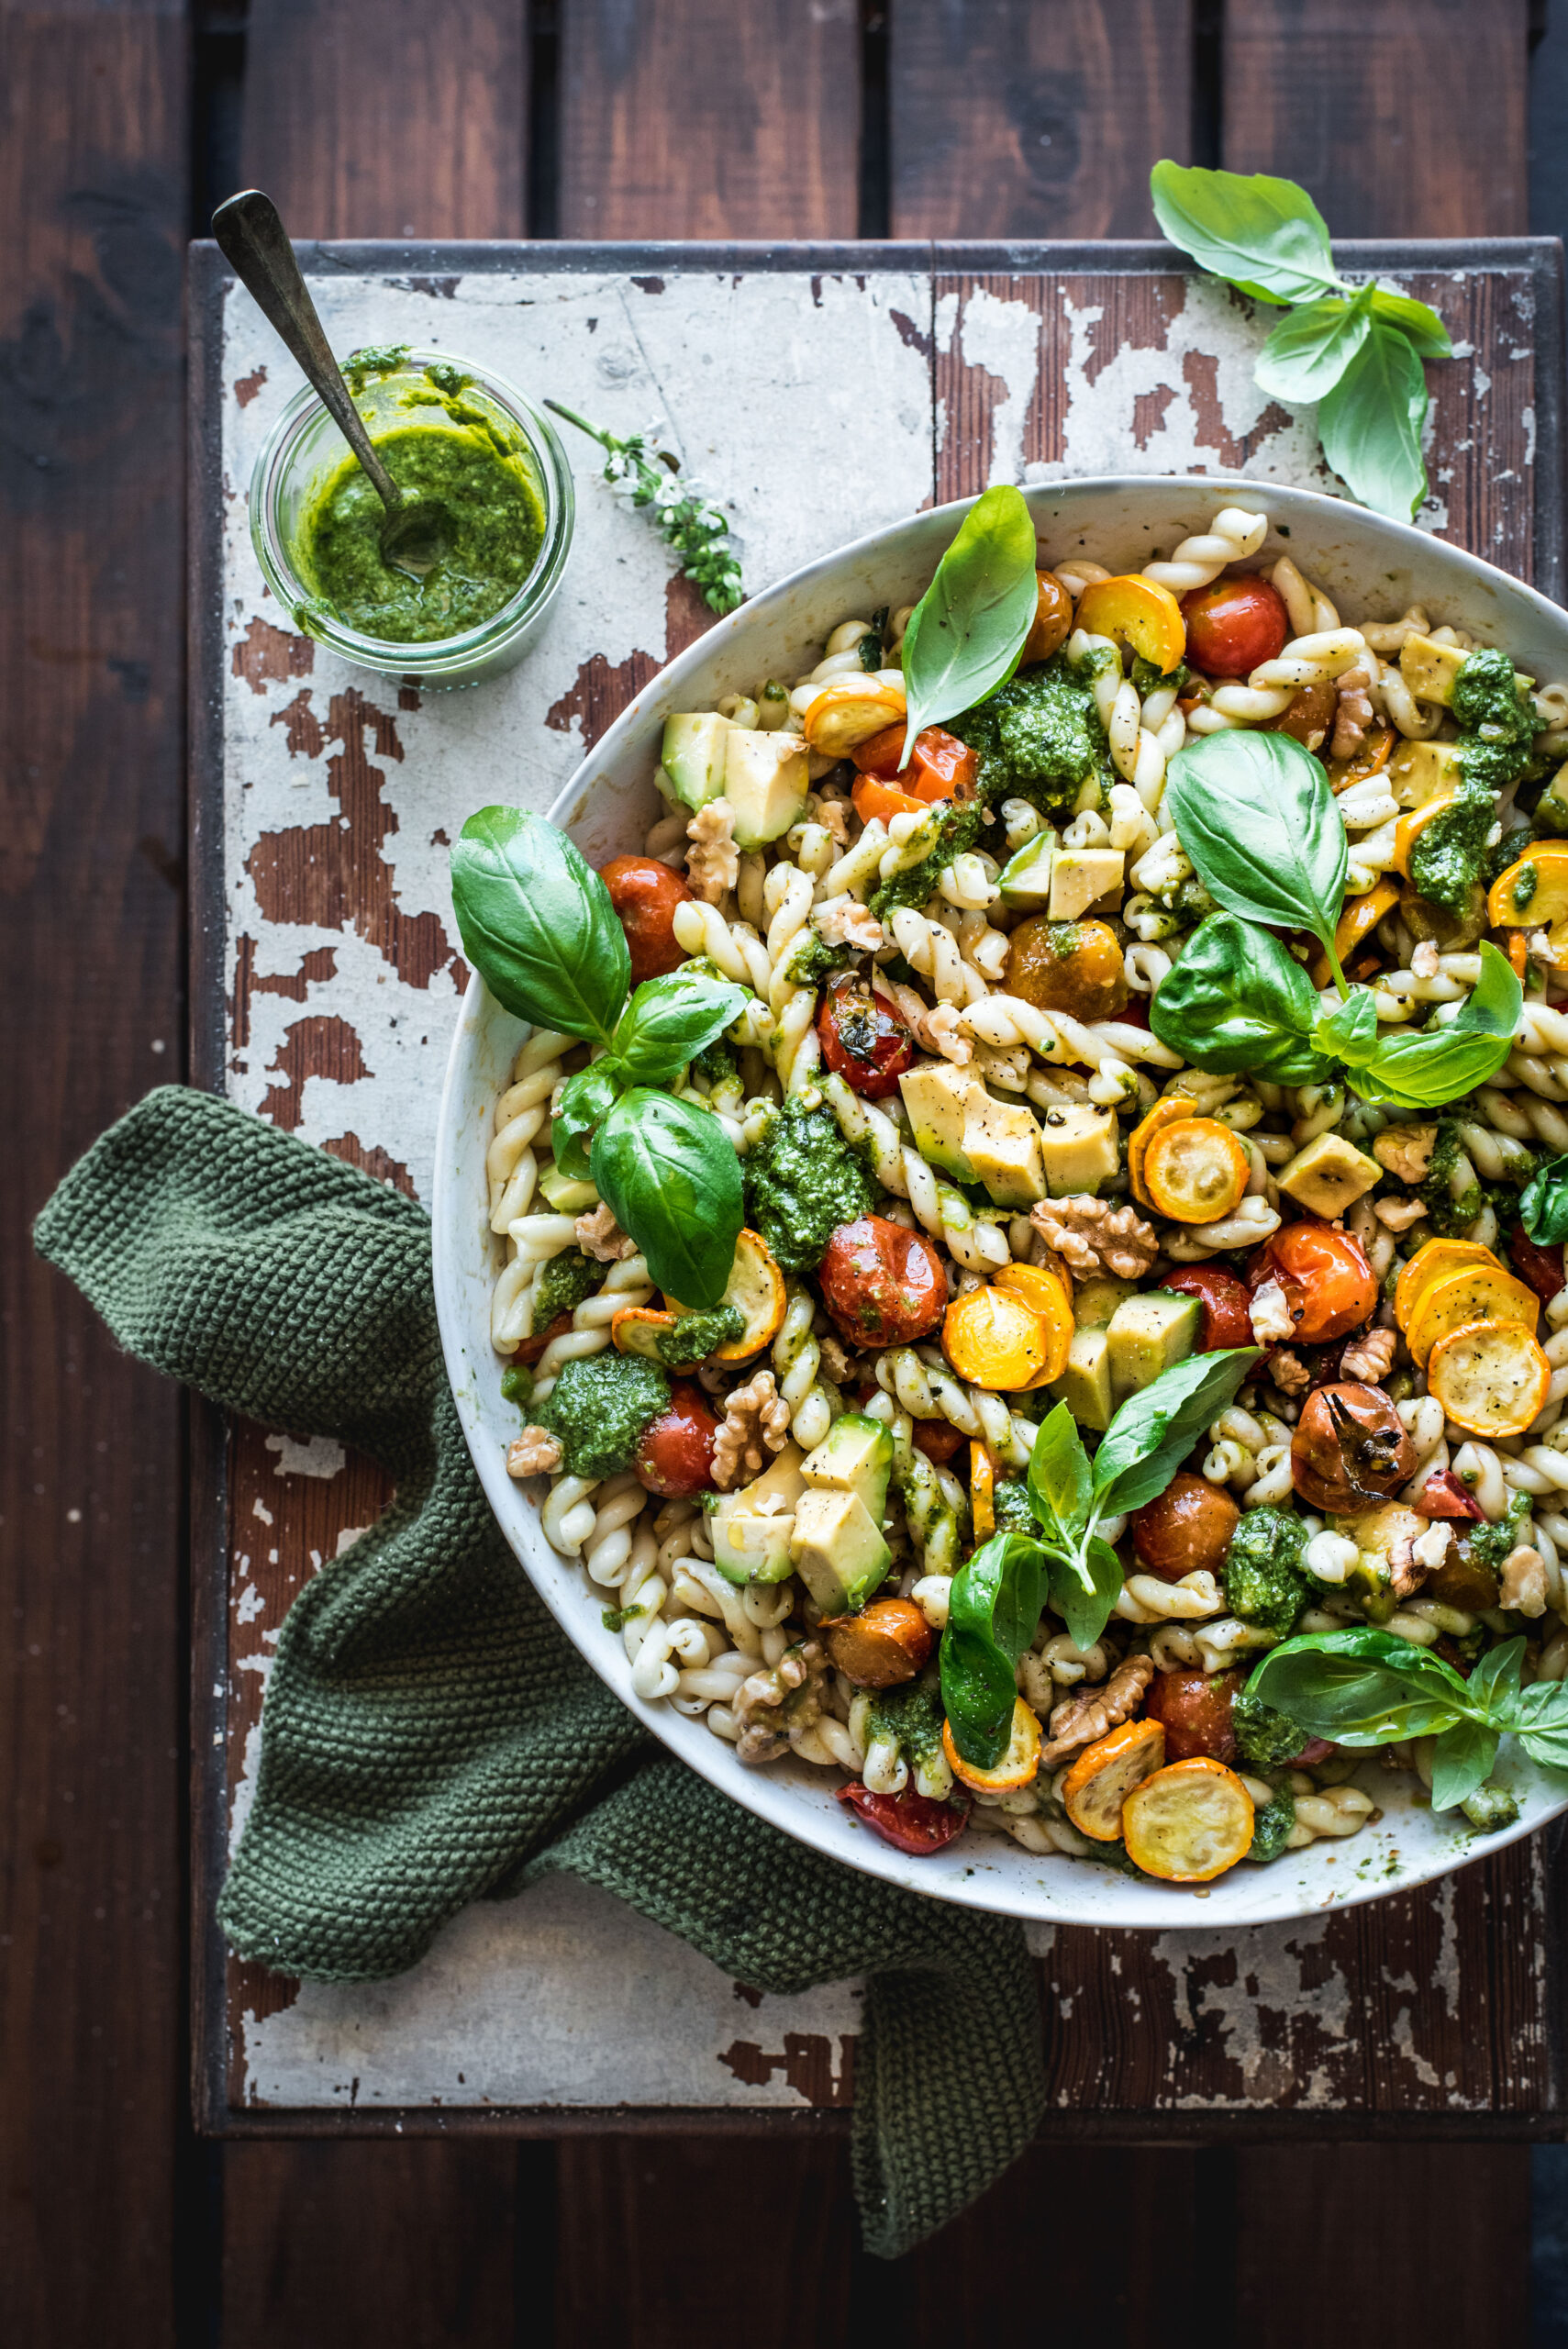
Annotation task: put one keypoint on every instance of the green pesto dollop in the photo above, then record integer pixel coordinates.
(1039, 737)
(697, 1335)
(1499, 724)
(953, 835)
(1450, 1212)
(1010, 1506)
(802, 1181)
(909, 1717)
(1271, 1826)
(1265, 1738)
(598, 1409)
(811, 960)
(563, 1283)
(1445, 862)
(1264, 1581)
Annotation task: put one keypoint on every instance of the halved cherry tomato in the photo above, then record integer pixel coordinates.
(532, 1348)
(1195, 1709)
(1187, 1528)
(885, 1643)
(1442, 1495)
(1316, 1750)
(878, 803)
(1329, 1284)
(883, 1286)
(1053, 619)
(1234, 625)
(1226, 1320)
(675, 1456)
(883, 755)
(865, 1040)
(940, 766)
(910, 1823)
(1540, 1268)
(938, 1438)
(645, 893)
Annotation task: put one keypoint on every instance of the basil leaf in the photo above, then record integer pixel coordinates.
(1237, 1002)
(1462, 1760)
(536, 923)
(1060, 1477)
(1309, 351)
(1156, 1429)
(670, 1019)
(1438, 1064)
(586, 1099)
(1084, 1588)
(1493, 1689)
(1538, 1716)
(1265, 236)
(1348, 1032)
(1422, 328)
(669, 1173)
(967, 631)
(1255, 814)
(994, 1611)
(1361, 1687)
(1543, 1203)
(1369, 424)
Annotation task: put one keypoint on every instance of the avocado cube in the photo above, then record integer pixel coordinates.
(1421, 771)
(1001, 1141)
(1096, 1299)
(1080, 878)
(1086, 1384)
(765, 778)
(1330, 1176)
(566, 1197)
(854, 1456)
(691, 764)
(935, 1095)
(1148, 1334)
(837, 1549)
(754, 1549)
(1430, 669)
(1025, 879)
(1078, 1147)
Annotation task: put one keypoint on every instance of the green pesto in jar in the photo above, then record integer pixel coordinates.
(483, 471)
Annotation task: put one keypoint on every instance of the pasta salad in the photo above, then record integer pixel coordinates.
(1030, 1220)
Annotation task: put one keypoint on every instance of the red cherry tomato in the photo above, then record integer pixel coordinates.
(938, 1438)
(645, 893)
(1195, 1708)
(1442, 1495)
(1329, 1284)
(910, 1823)
(675, 1456)
(883, 1286)
(1226, 1320)
(532, 1348)
(1540, 1268)
(1317, 1749)
(864, 1039)
(1234, 625)
(940, 766)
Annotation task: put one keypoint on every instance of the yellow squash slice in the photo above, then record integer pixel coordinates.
(1490, 1378)
(1017, 1765)
(1104, 1775)
(1164, 1113)
(1195, 1170)
(848, 712)
(756, 1289)
(1432, 1263)
(1189, 1822)
(1474, 1293)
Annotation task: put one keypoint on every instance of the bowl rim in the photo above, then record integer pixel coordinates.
(774, 1795)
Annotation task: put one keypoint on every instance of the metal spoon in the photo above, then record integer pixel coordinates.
(419, 530)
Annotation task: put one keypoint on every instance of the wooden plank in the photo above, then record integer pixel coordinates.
(387, 118)
(1009, 119)
(1402, 118)
(92, 165)
(696, 118)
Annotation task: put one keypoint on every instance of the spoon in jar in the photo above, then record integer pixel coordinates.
(419, 530)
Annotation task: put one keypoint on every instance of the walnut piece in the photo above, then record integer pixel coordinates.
(773, 1701)
(844, 922)
(1524, 1581)
(1398, 1214)
(1354, 714)
(1273, 1320)
(835, 1361)
(756, 1421)
(1095, 1237)
(1290, 1374)
(1405, 1151)
(1080, 1719)
(1370, 1357)
(600, 1236)
(713, 863)
(935, 1029)
(831, 811)
(1425, 960)
(536, 1452)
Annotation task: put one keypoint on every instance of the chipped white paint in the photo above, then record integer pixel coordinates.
(320, 1456)
(1004, 339)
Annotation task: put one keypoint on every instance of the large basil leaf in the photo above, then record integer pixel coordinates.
(1543, 1203)
(967, 631)
(1438, 1064)
(1310, 349)
(1059, 1479)
(586, 1099)
(1265, 236)
(1237, 1002)
(536, 923)
(1426, 331)
(1350, 1031)
(1369, 424)
(1156, 1429)
(1361, 1687)
(1462, 1760)
(668, 1172)
(1255, 814)
(994, 1611)
(1084, 1588)
(670, 1019)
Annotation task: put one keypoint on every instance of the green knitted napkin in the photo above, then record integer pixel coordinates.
(429, 1735)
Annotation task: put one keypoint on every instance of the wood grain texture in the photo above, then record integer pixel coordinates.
(93, 190)
(697, 118)
(1011, 119)
(387, 118)
(1401, 118)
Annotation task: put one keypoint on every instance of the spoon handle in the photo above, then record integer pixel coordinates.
(252, 237)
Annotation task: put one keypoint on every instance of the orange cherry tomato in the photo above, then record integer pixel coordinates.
(940, 766)
(1540, 1268)
(645, 893)
(938, 1438)
(1329, 1284)
(1053, 619)
(1195, 1709)
(878, 803)
(1234, 625)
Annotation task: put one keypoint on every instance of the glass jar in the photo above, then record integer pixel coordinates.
(305, 448)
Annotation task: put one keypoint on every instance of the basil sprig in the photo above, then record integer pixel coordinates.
(967, 632)
(1237, 1003)
(996, 1601)
(1356, 351)
(1365, 1688)
(537, 922)
(1543, 1204)
(1254, 812)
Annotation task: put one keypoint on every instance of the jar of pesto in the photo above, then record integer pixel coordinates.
(447, 428)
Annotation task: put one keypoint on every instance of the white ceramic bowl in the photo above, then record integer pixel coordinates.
(1373, 569)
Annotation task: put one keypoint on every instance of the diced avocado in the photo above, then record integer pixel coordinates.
(1001, 1141)
(1096, 1299)
(763, 1516)
(692, 763)
(1431, 669)
(935, 1095)
(1078, 1147)
(1081, 878)
(1086, 1384)
(837, 1549)
(1148, 1334)
(765, 778)
(1421, 771)
(1025, 880)
(564, 1195)
(1330, 1176)
(854, 1456)
(1552, 808)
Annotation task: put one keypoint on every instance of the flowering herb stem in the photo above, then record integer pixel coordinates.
(692, 524)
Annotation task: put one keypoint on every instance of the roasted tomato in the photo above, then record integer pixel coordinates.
(1349, 1450)
(1234, 625)
(1072, 966)
(910, 1823)
(1188, 1527)
(864, 1041)
(645, 893)
(884, 1643)
(938, 1438)
(1053, 619)
(1310, 716)
(1540, 1268)
(1329, 1286)
(532, 1348)
(1226, 1305)
(940, 766)
(675, 1456)
(1442, 1495)
(1195, 1709)
(883, 1286)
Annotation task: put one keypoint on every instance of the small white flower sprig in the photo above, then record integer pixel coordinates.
(692, 524)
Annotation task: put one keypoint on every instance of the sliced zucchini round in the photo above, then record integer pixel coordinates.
(1490, 1378)
(1189, 1822)
(1104, 1775)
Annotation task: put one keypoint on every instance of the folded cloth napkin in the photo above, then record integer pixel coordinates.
(430, 1734)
